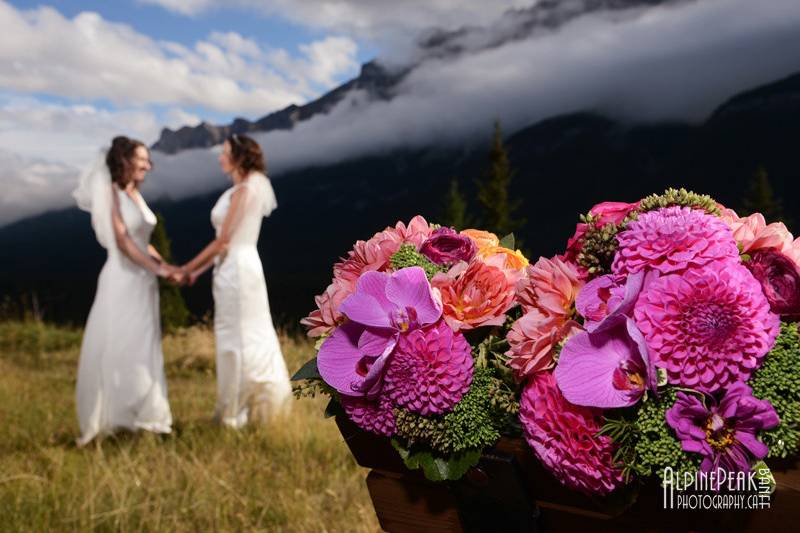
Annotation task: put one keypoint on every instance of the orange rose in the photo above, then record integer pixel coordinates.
(482, 239)
(513, 258)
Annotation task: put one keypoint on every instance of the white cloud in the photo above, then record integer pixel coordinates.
(177, 118)
(69, 134)
(391, 23)
(89, 58)
(671, 63)
(31, 186)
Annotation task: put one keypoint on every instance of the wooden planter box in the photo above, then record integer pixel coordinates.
(510, 491)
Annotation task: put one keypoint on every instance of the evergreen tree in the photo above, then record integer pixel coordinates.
(761, 198)
(174, 313)
(454, 211)
(493, 193)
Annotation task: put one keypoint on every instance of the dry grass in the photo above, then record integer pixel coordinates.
(292, 475)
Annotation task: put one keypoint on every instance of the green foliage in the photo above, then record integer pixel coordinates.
(174, 313)
(435, 467)
(680, 197)
(656, 445)
(493, 193)
(308, 371)
(645, 443)
(778, 380)
(472, 424)
(408, 256)
(454, 211)
(761, 198)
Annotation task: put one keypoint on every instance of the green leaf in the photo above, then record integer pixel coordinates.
(308, 371)
(333, 408)
(435, 467)
(508, 241)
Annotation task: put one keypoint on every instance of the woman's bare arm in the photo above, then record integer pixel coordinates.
(205, 258)
(125, 242)
(152, 252)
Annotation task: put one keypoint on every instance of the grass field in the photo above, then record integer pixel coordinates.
(292, 475)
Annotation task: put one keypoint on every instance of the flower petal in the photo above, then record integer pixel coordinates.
(339, 357)
(369, 305)
(409, 287)
(377, 341)
(586, 367)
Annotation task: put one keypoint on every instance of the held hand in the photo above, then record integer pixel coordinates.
(178, 277)
(192, 278)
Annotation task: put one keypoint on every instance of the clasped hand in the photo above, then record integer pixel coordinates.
(177, 275)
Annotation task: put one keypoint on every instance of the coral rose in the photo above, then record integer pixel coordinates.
(474, 295)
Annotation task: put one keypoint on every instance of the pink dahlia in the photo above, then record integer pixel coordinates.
(375, 416)
(550, 287)
(326, 317)
(533, 339)
(563, 437)
(672, 239)
(431, 370)
(547, 296)
(478, 294)
(708, 327)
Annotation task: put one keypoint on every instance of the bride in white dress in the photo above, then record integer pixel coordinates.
(252, 380)
(121, 381)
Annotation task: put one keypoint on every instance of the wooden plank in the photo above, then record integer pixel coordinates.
(410, 506)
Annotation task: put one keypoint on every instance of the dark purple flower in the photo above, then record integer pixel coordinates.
(723, 432)
(446, 247)
(779, 278)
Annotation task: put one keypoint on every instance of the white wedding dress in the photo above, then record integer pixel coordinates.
(121, 382)
(252, 380)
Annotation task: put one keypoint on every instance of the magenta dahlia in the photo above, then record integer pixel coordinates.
(672, 239)
(708, 327)
(375, 416)
(563, 437)
(430, 371)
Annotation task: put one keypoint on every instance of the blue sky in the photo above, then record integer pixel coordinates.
(269, 31)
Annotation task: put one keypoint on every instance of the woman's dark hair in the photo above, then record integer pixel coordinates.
(246, 154)
(119, 158)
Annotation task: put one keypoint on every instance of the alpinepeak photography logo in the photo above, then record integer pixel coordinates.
(718, 489)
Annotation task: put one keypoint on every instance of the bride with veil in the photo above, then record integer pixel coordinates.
(121, 382)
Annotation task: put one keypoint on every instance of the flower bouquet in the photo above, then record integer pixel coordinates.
(411, 339)
(663, 339)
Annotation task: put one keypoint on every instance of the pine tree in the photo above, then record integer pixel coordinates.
(174, 313)
(761, 198)
(454, 211)
(493, 192)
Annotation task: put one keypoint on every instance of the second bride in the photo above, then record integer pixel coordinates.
(252, 379)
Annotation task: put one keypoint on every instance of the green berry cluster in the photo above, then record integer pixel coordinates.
(472, 424)
(778, 380)
(408, 256)
(680, 197)
(656, 445)
(599, 245)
